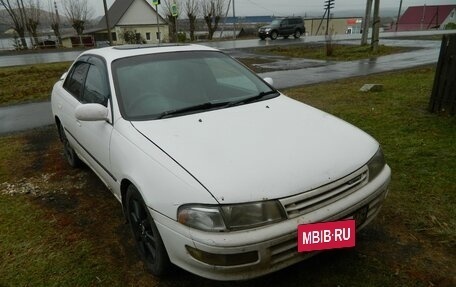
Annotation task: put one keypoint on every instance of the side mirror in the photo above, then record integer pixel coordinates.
(91, 112)
(270, 81)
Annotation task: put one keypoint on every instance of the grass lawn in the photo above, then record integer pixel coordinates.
(61, 227)
(340, 52)
(31, 83)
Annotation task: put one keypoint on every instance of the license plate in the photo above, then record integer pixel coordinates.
(326, 235)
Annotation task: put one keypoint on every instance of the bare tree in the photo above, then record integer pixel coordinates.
(55, 20)
(78, 12)
(33, 18)
(212, 14)
(192, 9)
(167, 6)
(16, 11)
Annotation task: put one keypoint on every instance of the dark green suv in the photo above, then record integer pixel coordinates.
(283, 27)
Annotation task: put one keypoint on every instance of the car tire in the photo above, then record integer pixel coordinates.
(274, 35)
(68, 151)
(147, 238)
(297, 34)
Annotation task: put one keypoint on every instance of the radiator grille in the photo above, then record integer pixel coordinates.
(317, 198)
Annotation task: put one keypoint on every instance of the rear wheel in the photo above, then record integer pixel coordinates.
(148, 240)
(68, 151)
(274, 35)
(297, 34)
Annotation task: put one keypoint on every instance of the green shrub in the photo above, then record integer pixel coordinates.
(450, 26)
(181, 37)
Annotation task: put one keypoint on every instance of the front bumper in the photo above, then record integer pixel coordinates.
(264, 34)
(275, 245)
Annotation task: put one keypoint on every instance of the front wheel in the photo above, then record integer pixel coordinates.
(274, 35)
(148, 240)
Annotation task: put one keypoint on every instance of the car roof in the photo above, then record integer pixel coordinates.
(290, 17)
(116, 52)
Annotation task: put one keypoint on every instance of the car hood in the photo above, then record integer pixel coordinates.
(264, 150)
(265, 27)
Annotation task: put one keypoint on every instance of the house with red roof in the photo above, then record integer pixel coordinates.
(426, 17)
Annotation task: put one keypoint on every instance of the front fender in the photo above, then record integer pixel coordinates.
(163, 183)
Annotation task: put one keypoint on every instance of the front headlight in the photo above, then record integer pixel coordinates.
(207, 218)
(231, 217)
(376, 164)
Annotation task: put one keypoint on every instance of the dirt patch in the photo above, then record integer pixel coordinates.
(36, 143)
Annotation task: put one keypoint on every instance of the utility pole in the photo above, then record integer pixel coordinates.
(376, 27)
(108, 27)
(329, 4)
(398, 15)
(234, 23)
(366, 22)
(57, 18)
(422, 17)
(156, 2)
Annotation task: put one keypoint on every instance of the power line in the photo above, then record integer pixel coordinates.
(262, 7)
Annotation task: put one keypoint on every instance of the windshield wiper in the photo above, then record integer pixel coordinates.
(251, 99)
(210, 106)
(196, 108)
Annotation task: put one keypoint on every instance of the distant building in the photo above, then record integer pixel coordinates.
(134, 16)
(338, 26)
(426, 17)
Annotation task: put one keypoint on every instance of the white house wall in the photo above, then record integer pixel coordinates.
(139, 13)
(143, 30)
(450, 19)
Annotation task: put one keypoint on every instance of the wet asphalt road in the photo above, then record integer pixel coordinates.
(428, 53)
(37, 58)
(27, 116)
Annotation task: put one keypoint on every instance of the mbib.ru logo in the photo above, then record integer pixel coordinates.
(326, 235)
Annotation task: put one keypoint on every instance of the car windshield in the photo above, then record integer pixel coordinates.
(162, 85)
(276, 22)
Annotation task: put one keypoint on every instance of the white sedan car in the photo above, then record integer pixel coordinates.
(215, 169)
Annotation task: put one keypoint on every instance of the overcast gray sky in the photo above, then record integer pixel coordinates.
(296, 7)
